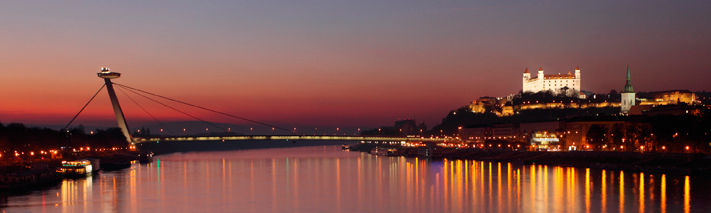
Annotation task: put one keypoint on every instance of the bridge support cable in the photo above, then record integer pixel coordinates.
(177, 110)
(154, 118)
(215, 111)
(87, 104)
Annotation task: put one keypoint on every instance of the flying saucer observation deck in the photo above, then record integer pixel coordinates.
(106, 73)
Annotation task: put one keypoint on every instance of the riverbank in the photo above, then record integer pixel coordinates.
(29, 174)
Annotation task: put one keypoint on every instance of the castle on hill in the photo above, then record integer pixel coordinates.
(556, 83)
(628, 101)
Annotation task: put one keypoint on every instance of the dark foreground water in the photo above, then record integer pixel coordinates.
(326, 179)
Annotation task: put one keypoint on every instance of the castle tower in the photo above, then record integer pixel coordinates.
(541, 80)
(577, 72)
(107, 75)
(526, 78)
(628, 95)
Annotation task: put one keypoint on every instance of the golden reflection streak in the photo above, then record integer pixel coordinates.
(296, 183)
(533, 186)
(452, 183)
(360, 182)
(338, 183)
(641, 192)
(379, 180)
(545, 188)
(114, 196)
(481, 181)
(444, 178)
(603, 191)
(491, 198)
(460, 183)
(622, 191)
(133, 184)
(559, 183)
(473, 189)
(409, 186)
(572, 195)
(587, 190)
(664, 194)
(224, 179)
(274, 194)
(687, 194)
(436, 190)
(466, 179)
(65, 192)
(251, 171)
(417, 179)
(651, 186)
(87, 192)
(452, 193)
(569, 188)
(508, 185)
(518, 189)
(185, 180)
(229, 171)
(499, 191)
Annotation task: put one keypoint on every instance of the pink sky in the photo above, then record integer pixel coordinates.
(359, 63)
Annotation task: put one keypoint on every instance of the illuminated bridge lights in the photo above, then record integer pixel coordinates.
(297, 137)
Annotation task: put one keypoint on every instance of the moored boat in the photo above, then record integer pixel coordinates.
(79, 168)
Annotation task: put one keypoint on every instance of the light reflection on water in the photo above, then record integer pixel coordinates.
(311, 179)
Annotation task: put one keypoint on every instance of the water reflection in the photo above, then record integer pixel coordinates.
(328, 179)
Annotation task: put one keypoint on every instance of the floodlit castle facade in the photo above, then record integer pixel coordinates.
(555, 82)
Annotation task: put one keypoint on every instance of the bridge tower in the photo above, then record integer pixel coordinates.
(107, 75)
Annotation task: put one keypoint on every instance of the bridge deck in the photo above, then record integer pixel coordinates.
(290, 137)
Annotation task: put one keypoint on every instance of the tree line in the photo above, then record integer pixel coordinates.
(18, 137)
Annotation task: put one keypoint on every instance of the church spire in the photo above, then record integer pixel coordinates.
(628, 85)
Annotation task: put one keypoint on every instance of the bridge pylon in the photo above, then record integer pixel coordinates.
(107, 75)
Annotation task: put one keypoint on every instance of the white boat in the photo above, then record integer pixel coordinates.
(80, 167)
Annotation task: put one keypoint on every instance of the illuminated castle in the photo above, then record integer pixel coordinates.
(555, 83)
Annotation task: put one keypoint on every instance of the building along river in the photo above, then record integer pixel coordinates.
(327, 179)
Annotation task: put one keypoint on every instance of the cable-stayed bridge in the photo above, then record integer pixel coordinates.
(107, 75)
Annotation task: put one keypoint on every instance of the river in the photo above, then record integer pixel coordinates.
(327, 179)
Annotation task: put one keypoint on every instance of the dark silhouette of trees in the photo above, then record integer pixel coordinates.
(597, 136)
(18, 137)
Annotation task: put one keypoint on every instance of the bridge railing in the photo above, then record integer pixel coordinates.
(289, 137)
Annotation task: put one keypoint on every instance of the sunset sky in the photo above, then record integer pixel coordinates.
(333, 63)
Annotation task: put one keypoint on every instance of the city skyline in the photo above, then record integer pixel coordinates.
(326, 64)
